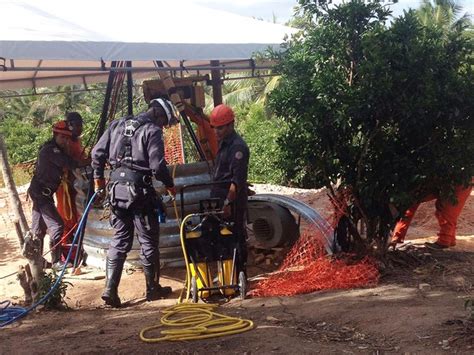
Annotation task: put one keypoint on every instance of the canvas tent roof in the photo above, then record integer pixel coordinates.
(57, 42)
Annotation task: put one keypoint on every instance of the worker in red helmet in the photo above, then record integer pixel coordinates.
(231, 164)
(52, 159)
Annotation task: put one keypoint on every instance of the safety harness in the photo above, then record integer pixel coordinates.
(132, 124)
(126, 184)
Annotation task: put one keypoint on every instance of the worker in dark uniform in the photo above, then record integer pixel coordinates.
(231, 164)
(134, 148)
(75, 124)
(52, 160)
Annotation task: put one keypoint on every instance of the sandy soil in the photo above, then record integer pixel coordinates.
(417, 307)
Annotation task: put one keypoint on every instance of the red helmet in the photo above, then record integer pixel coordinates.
(221, 115)
(62, 127)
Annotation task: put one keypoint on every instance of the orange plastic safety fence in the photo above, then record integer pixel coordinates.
(173, 140)
(307, 269)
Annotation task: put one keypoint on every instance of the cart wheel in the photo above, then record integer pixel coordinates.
(194, 290)
(242, 285)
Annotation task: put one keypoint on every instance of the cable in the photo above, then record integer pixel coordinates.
(195, 321)
(11, 314)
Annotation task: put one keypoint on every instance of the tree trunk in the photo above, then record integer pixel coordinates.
(32, 274)
(12, 193)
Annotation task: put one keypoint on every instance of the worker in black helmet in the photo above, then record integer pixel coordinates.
(134, 148)
(66, 193)
(75, 123)
(52, 160)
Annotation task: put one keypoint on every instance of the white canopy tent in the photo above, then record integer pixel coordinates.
(57, 42)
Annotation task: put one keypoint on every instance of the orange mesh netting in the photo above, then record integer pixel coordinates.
(306, 269)
(174, 152)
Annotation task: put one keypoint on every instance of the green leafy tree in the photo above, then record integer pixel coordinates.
(244, 92)
(444, 14)
(261, 134)
(381, 115)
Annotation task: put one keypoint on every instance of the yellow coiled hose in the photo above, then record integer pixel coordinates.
(194, 321)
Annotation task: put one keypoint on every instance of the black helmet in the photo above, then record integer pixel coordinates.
(74, 117)
(170, 110)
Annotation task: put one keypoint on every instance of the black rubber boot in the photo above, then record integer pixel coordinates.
(113, 274)
(154, 291)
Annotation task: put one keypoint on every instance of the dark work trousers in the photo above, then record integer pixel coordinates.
(145, 221)
(45, 217)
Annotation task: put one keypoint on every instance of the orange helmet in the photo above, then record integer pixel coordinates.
(62, 127)
(221, 115)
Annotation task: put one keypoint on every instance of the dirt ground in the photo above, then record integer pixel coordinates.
(418, 305)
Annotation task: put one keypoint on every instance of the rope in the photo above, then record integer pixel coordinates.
(8, 315)
(195, 321)
(62, 239)
(66, 197)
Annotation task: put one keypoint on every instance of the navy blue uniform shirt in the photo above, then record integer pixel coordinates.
(231, 164)
(49, 167)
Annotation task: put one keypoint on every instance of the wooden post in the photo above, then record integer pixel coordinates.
(12, 192)
(216, 83)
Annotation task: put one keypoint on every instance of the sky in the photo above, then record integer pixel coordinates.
(283, 9)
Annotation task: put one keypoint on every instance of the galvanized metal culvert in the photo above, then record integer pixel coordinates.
(272, 218)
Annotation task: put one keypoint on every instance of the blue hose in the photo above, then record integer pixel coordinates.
(7, 312)
(8, 315)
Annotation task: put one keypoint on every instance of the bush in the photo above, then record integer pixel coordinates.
(261, 134)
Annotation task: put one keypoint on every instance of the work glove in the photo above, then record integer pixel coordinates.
(99, 185)
(99, 189)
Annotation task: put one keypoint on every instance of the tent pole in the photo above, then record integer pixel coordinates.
(129, 88)
(105, 107)
(216, 83)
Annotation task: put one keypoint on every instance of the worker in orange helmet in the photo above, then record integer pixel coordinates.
(231, 164)
(447, 214)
